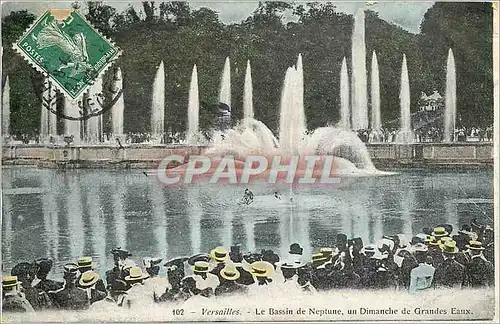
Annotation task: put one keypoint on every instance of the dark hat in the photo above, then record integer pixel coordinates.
(44, 265)
(21, 269)
(465, 228)
(270, 256)
(417, 240)
(235, 253)
(448, 228)
(357, 241)
(252, 257)
(151, 262)
(427, 230)
(198, 257)
(177, 262)
(121, 253)
(295, 248)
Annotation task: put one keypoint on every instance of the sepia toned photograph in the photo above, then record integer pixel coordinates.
(269, 161)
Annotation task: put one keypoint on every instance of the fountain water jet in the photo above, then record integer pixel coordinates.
(158, 106)
(193, 109)
(376, 123)
(405, 134)
(72, 127)
(345, 117)
(94, 124)
(359, 83)
(350, 154)
(450, 110)
(6, 109)
(224, 119)
(248, 95)
(118, 107)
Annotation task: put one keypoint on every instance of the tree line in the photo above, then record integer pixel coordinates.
(181, 37)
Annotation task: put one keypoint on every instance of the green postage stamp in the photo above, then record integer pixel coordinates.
(63, 45)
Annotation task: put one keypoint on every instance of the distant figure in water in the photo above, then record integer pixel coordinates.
(119, 143)
(277, 195)
(247, 197)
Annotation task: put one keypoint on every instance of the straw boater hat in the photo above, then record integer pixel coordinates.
(449, 247)
(219, 254)
(439, 232)
(200, 266)
(136, 273)
(10, 281)
(86, 262)
(445, 239)
(230, 273)
(475, 245)
(326, 252)
(318, 258)
(261, 269)
(434, 241)
(88, 279)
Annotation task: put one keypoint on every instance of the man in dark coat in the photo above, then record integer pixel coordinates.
(228, 284)
(479, 272)
(450, 273)
(41, 281)
(435, 252)
(236, 257)
(175, 273)
(407, 265)
(14, 300)
(70, 297)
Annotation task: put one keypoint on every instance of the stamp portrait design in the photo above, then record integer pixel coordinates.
(167, 161)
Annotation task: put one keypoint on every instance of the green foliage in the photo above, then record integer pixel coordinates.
(180, 37)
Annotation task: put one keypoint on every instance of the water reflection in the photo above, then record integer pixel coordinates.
(69, 214)
(50, 214)
(159, 218)
(195, 211)
(96, 218)
(74, 212)
(120, 225)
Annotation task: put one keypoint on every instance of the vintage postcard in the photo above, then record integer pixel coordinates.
(249, 161)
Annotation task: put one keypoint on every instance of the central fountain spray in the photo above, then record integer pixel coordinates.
(193, 109)
(450, 111)
(359, 83)
(248, 96)
(292, 131)
(345, 117)
(350, 154)
(405, 134)
(158, 106)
